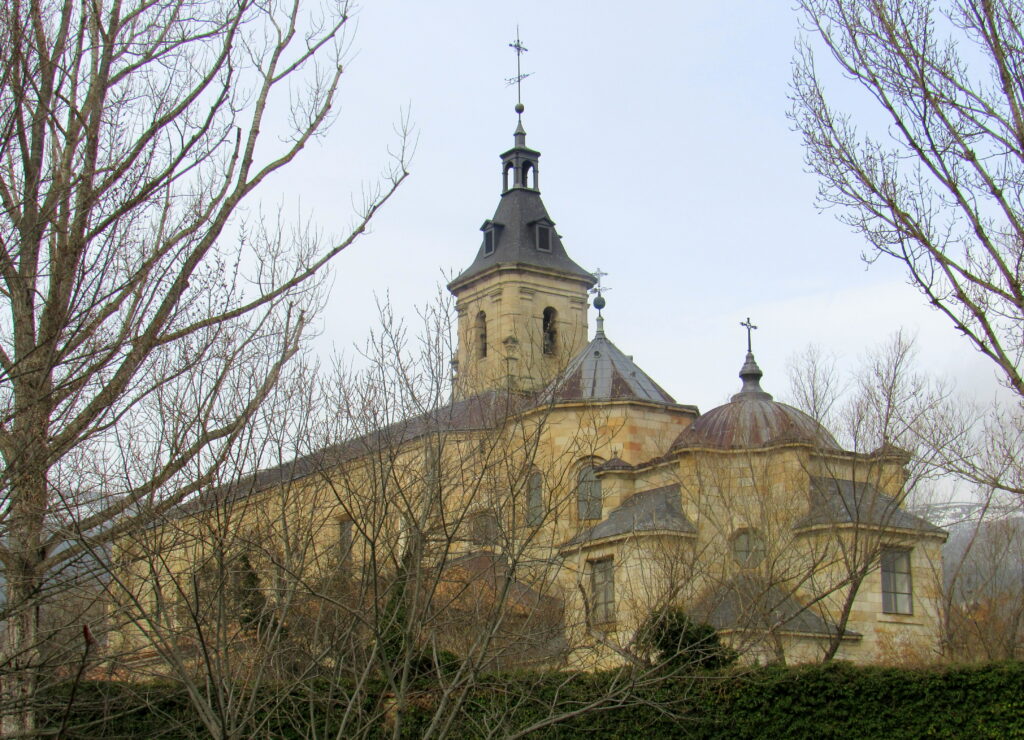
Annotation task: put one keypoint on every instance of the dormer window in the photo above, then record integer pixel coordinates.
(543, 238)
(489, 242)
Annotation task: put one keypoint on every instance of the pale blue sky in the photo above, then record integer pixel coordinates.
(668, 161)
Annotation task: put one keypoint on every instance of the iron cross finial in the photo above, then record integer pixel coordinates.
(749, 327)
(518, 79)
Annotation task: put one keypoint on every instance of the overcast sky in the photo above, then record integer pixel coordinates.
(668, 162)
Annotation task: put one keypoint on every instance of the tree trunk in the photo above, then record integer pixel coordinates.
(21, 644)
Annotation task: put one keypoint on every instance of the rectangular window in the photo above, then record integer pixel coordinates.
(602, 590)
(543, 239)
(897, 589)
(489, 241)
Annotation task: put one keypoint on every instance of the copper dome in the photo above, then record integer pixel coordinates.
(753, 419)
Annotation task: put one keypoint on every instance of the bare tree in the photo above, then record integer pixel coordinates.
(985, 599)
(936, 182)
(858, 501)
(145, 323)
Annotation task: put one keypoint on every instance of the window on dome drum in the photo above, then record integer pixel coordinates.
(897, 589)
(748, 547)
(481, 335)
(602, 591)
(535, 499)
(588, 493)
(543, 239)
(549, 327)
(489, 241)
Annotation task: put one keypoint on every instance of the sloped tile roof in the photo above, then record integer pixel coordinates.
(748, 601)
(856, 502)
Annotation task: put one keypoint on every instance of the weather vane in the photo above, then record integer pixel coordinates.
(749, 327)
(518, 79)
(598, 289)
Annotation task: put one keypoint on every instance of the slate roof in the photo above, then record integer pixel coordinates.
(481, 411)
(601, 372)
(753, 419)
(748, 601)
(519, 211)
(480, 578)
(848, 502)
(656, 510)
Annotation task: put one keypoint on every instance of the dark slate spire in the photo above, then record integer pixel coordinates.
(521, 233)
(602, 372)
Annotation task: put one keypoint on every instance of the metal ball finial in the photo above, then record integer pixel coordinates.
(520, 108)
(599, 302)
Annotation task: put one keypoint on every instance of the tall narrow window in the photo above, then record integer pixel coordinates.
(897, 589)
(432, 472)
(345, 529)
(535, 499)
(543, 238)
(504, 177)
(588, 493)
(602, 591)
(481, 335)
(489, 241)
(549, 327)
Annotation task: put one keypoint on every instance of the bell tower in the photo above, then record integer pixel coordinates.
(522, 303)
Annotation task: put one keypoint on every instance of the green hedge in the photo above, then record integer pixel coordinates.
(822, 701)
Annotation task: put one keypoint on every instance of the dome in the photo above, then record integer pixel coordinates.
(753, 419)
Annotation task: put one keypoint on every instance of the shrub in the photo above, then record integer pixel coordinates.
(679, 643)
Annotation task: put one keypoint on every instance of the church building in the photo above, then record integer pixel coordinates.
(750, 516)
(564, 490)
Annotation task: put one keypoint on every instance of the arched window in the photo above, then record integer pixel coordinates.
(525, 179)
(588, 493)
(481, 335)
(535, 499)
(504, 177)
(550, 330)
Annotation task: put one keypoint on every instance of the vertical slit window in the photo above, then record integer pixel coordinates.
(535, 500)
(602, 590)
(588, 494)
(481, 335)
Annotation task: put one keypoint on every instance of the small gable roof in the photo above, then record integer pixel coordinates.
(656, 510)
